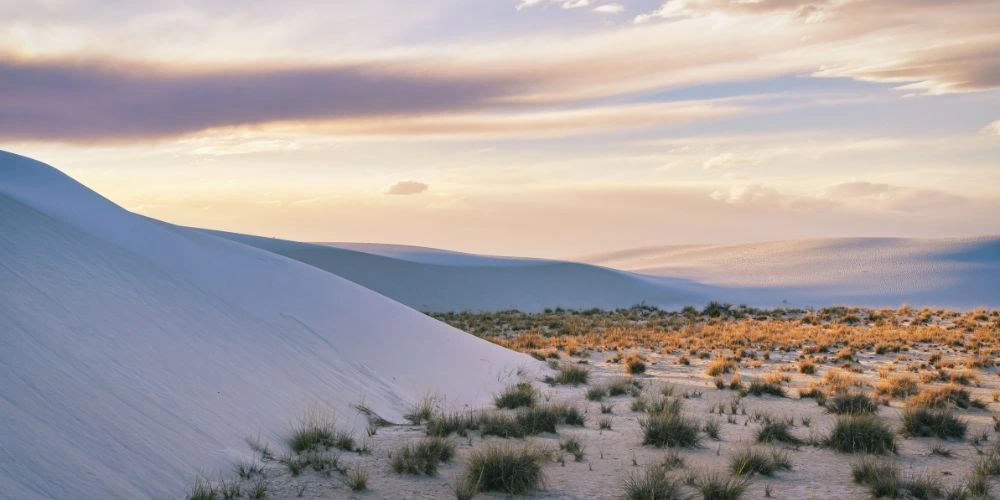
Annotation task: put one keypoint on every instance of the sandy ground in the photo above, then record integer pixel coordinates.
(612, 455)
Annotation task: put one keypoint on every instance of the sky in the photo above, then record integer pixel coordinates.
(548, 128)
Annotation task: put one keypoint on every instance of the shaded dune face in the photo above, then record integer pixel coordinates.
(136, 353)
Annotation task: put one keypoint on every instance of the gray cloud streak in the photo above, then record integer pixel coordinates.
(94, 100)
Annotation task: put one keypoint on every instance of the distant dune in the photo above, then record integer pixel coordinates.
(136, 353)
(438, 280)
(961, 273)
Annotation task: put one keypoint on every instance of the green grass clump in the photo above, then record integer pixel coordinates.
(926, 422)
(422, 457)
(883, 479)
(758, 461)
(776, 430)
(499, 424)
(861, 434)
(596, 393)
(574, 447)
(851, 404)
(202, 490)
(569, 374)
(669, 429)
(502, 468)
(716, 486)
(517, 396)
(314, 434)
(653, 484)
(445, 424)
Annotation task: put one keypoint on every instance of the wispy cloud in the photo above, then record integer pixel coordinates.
(610, 8)
(407, 187)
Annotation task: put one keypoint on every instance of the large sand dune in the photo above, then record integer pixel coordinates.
(135, 352)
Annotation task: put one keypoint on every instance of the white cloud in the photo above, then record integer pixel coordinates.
(527, 3)
(573, 4)
(993, 129)
(610, 8)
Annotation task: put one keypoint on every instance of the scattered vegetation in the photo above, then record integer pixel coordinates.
(516, 396)
(751, 461)
(927, 422)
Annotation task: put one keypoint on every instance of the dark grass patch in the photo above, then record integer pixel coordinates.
(517, 396)
(750, 461)
(776, 430)
(861, 434)
(927, 422)
(503, 468)
(653, 484)
(422, 457)
(851, 404)
(669, 429)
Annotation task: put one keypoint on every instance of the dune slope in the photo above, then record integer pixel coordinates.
(135, 353)
(433, 280)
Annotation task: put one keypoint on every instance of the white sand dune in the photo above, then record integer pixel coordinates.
(439, 280)
(955, 272)
(135, 352)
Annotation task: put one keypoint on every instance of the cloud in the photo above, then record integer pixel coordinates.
(573, 4)
(893, 198)
(91, 100)
(407, 187)
(991, 129)
(524, 4)
(610, 8)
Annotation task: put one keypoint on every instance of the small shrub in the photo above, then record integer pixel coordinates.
(880, 476)
(502, 468)
(604, 423)
(516, 396)
(758, 461)
(653, 484)
(926, 422)
(258, 489)
(851, 404)
(669, 429)
(634, 364)
(807, 367)
(861, 434)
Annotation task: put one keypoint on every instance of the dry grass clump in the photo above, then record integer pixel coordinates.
(719, 366)
(807, 366)
(943, 397)
(897, 386)
(634, 364)
(717, 486)
(772, 430)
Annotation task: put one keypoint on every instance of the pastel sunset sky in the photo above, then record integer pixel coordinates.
(548, 128)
